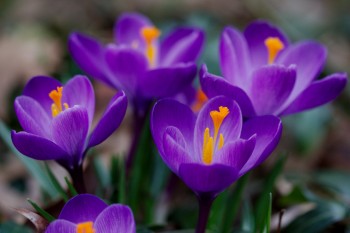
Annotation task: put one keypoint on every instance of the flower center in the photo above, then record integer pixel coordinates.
(150, 34)
(85, 227)
(209, 142)
(56, 96)
(274, 45)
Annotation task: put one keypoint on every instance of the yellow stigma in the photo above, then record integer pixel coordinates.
(150, 34)
(56, 96)
(210, 142)
(274, 45)
(218, 117)
(85, 227)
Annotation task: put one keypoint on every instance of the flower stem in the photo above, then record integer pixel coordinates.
(78, 179)
(138, 124)
(205, 203)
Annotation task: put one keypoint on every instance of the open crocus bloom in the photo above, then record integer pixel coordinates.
(266, 75)
(211, 151)
(138, 62)
(87, 213)
(56, 120)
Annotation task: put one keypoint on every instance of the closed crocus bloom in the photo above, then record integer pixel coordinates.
(211, 150)
(267, 75)
(138, 62)
(57, 120)
(87, 213)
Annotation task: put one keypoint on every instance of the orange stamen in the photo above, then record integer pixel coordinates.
(56, 96)
(274, 45)
(85, 227)
(210, 142)
(150, 34)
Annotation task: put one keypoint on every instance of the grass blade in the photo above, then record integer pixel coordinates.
(33, 166)
(56, 184)
(43, 213)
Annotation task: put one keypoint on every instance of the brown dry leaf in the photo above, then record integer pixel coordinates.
(39, 222)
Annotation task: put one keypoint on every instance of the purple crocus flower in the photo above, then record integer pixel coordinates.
(211, 151)
(138, 62)
(86, 213)
(267, 75)
(57, 119)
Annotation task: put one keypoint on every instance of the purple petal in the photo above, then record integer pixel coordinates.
(256, 33)
(168, 112)
(211, 179)
(318, 93)
(127, 66)
(39, 88)
(89, 54)
(236, 154)
(110, 120)
(82, 208)
(70, 129)
(182, 45)
(176, 151)
(127, 30)
(309, 58)
(187, 95)
(234, 58)
(61, 226)
(117, 219)
(271, 86)
(37, 147)
(165, 82)
(231, 125)
(213, 85)
(32, 116)
(79, 91)
(268, 130)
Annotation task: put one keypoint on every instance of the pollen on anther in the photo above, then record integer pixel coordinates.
(274, 45)
(150, 34)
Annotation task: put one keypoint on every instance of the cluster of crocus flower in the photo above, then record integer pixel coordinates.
(231, 132)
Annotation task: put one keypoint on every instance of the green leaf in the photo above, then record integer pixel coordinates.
(232, 204)
(56, 184)
(160, 175)
(101, 172)
(263, 202)
(43, 213)
(217, 211)
(247, 218)
(318, 219)
(71, 188)
(140, 177)
(267, 216)
(33, 166)
(118, 179)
